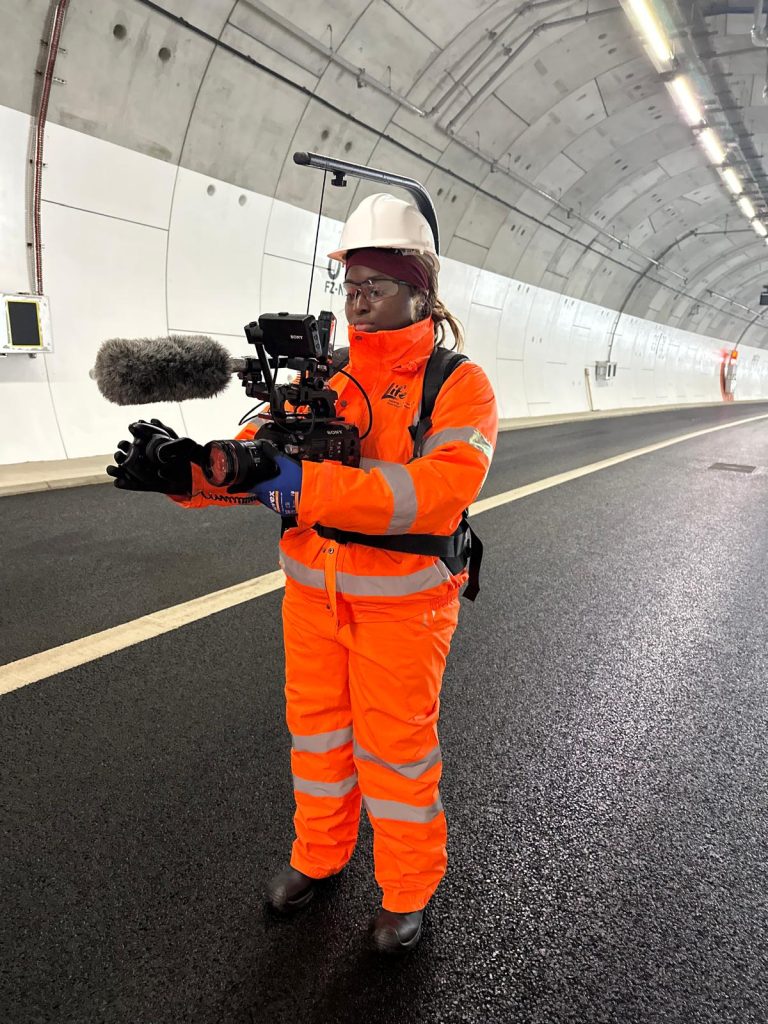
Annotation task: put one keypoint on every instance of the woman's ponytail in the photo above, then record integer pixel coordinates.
(435, 308)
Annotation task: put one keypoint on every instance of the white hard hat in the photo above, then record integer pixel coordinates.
(382, 221)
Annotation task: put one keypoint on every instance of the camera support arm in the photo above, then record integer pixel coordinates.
(342, 168)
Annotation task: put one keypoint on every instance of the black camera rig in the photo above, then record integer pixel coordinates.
(302, 420)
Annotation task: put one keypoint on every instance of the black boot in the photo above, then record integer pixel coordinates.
(396, 933)
(290, 890)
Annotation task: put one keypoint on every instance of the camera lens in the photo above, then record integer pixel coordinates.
(218, 464)
(233, 463)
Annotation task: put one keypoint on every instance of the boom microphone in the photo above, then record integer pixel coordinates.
(139, 371)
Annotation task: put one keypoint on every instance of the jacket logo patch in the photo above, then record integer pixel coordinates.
(395, 394)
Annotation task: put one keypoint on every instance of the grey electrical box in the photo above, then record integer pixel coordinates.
(764, 296)
(25, 324)
(605, 371)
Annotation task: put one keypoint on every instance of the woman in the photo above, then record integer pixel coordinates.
(367, 629)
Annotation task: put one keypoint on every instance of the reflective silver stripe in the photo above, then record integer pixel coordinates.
(322, 742)
(312, 788)
(302, 573)
(396, 811)
(368, 586)
(469, 434)
(369, 464)
(405, 505)
(411, 769)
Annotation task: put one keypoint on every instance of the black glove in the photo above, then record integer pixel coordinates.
(156, 460)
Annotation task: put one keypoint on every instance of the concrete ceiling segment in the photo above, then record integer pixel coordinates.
(23, 24)
(624, 128)
(661, 201)
(209, 15)
(276, 47)
(328, 23)
(632, 159)
(519, 41)
(748, 289)
(442, 22)
(118, 87)
(542, 78)
(493, 127)
(388, 46)
(756, 334)
(737, 277)
(737, 261)
(234, 135)
(556, 130)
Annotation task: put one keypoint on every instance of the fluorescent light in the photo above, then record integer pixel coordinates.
(686, 101)
(731, 179)
(746, 207)
(651, 28)
(759, 228)
(709, 140)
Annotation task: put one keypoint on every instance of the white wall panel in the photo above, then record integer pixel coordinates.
(517, 310)
(209, 419)
(482, 340)
(536, 369)
(291, 233)
(110, 285)
(457, 285)
(216, 244)
(233, 254)
(28, 430)
(92, 174)
(491, 289)
(14, 167)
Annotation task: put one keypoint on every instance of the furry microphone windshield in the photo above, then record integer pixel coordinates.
(137, 371)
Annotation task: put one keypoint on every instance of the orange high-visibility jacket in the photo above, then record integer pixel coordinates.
(390, 493)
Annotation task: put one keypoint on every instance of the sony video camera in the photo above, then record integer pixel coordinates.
(302, 420)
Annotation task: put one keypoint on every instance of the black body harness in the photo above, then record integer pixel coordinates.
(461, 549)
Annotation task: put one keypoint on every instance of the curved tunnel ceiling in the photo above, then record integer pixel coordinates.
(547, 139)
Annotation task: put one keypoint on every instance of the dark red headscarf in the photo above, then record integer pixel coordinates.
(391, 263)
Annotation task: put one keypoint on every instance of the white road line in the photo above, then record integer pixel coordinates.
(79, 652)
(595, 467)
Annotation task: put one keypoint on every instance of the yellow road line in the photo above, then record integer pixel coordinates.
(79, 652)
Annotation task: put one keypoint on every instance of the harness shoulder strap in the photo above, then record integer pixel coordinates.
(439, 368)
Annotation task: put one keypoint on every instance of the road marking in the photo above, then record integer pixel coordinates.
(573, 474)
(60, 659)
(79, 652)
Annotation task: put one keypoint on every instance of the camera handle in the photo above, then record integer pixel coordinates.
(341, 168)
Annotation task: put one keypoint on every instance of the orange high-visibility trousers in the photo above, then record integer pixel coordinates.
(362, 706)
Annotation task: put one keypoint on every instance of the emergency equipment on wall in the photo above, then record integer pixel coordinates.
(25, 325)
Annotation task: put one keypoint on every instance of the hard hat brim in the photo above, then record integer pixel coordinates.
(341, 254)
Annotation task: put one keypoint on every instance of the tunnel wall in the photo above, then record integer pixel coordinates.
(135, 246)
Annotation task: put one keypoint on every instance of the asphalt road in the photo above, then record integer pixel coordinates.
(604, 725)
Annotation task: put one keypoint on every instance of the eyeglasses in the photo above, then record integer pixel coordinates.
(373, 290)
